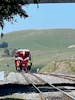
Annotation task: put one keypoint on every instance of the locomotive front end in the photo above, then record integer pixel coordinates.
(23, 60)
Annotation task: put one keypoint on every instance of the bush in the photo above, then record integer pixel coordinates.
(13, 52)
(4, 45)
(6, 52)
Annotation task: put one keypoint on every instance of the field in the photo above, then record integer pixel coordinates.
(46, 46)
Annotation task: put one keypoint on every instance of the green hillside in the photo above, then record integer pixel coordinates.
(41, 39)
(45, 45)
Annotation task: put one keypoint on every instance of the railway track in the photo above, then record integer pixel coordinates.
(66, 96)
(31, 82)
(45, 91)
(68, 77)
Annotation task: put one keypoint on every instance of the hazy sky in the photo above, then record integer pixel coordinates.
(47, 16)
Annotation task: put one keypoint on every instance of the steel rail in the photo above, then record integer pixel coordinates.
(71, 78)
(63, 76)
(38, 78)
(31, 82)
(65, 93)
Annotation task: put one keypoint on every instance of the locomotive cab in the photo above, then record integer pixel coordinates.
(23, 60)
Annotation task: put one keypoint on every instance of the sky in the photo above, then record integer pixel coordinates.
(47, 16)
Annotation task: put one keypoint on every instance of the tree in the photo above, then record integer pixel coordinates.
(2, 35)
(3, 45)
(10, 8)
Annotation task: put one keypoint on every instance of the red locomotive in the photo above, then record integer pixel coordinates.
(23, 60)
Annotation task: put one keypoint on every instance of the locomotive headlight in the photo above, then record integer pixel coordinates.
(29, 63)
(23, 53)
(18, 63)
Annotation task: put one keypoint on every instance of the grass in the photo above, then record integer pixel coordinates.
(50, 67)
(41, 39)
(45, 46)
(36, 67)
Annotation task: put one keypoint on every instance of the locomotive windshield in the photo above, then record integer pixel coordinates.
(26, 54)
(22, 54)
